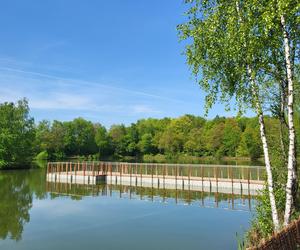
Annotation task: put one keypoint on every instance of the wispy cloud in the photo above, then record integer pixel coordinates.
(74, 82)
(144, 109)
(47, 92)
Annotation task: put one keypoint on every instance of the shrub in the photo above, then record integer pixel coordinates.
(42, 156)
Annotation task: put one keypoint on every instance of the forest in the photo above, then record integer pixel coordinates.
(154, 140)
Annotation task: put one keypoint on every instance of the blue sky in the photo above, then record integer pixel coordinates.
(106, 61)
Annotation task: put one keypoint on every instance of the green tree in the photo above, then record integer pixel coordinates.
(195, 142)
(102, 140)
(117, 134)
(56, 141)
(250, 144)
(131, 140)
(17, 134)
(214, 138)
(231, 137)
(227, 52)
(146, 144)
(80, 137)
(42, 136)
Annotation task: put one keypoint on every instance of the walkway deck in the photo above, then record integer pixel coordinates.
(215, 178)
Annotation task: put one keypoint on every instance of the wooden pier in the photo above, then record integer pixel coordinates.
(217, 178)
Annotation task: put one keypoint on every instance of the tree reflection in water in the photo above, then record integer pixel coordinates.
(20, 188)
(17, 191)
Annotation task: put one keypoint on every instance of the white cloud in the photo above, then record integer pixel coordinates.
(144, 109)
(47, 92)
(75, 82)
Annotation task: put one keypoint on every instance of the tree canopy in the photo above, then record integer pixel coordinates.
(17, 134)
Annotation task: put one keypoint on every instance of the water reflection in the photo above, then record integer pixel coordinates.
(16, 192)
(16, 200)
(231, 201)
(22, 191)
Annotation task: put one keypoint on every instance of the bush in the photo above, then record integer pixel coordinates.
(42, 156)
(59, 155)
(148, 158)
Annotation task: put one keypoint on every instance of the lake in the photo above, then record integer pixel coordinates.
(36, 214)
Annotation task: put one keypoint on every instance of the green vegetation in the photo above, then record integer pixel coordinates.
(249, 51)
(156, 140)
(17, 135)
(185, 139)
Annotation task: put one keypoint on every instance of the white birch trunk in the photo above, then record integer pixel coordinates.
(263, 139)
(265, 150)
(292, 175)
(282, 122)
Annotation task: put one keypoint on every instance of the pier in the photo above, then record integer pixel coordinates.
(197, 177)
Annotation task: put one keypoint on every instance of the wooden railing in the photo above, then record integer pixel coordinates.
(227, 173)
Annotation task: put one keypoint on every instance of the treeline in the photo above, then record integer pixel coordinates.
(187, 134)
(150, 139)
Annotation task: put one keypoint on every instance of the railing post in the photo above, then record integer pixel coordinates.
(93, 169)
(152, 173)
(130, 169)
(83, 166)
(120, 169)
(248, 177)
(243, 174)
(228, 173)
(215, 174)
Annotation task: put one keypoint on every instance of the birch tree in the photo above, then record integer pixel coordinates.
(292, 173)
(225, 55)
(280, 24)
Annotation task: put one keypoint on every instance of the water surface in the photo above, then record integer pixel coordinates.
(38, 215)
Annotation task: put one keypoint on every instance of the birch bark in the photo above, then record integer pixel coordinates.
(292, 175)
(264, 140)
(259, 111)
